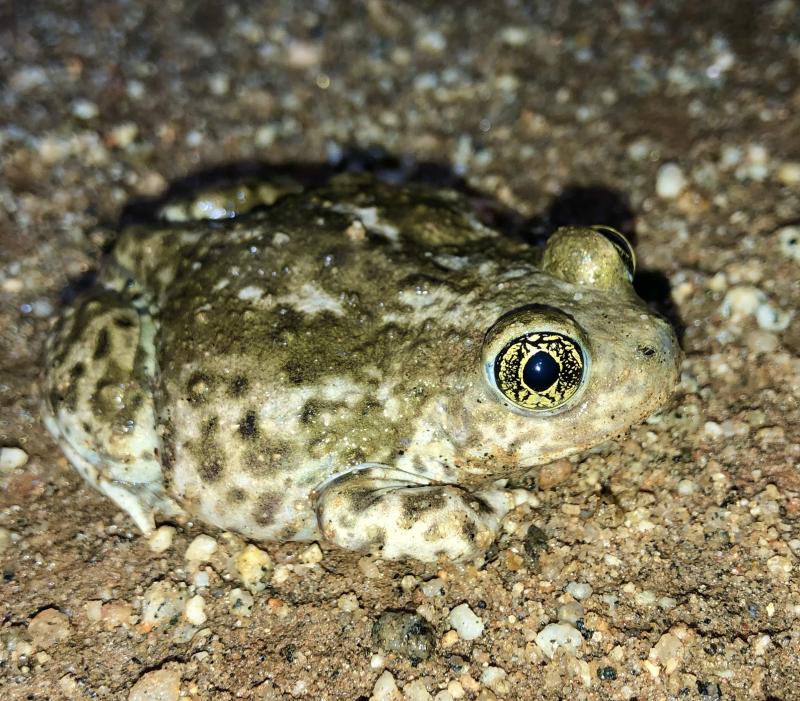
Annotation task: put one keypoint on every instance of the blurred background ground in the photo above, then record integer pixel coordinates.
(668, 560)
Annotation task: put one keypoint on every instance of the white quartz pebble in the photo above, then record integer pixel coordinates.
(465, 622)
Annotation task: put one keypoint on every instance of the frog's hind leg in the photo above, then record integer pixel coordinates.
(99, 403)
(405, 515)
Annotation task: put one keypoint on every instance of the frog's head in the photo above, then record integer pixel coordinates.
(581, 363)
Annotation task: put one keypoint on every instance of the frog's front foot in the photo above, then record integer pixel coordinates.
(404, 515)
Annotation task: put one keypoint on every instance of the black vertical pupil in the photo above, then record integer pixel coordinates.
(540, 372)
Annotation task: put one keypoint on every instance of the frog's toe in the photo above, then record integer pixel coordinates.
(401, 515)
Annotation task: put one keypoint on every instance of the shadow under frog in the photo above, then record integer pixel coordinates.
(367, 352)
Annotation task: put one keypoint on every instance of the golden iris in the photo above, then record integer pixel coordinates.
(539, 370)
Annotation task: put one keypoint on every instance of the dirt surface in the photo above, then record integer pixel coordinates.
(668, 560)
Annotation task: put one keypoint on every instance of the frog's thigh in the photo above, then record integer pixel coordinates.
(99, 403)
(403, 515)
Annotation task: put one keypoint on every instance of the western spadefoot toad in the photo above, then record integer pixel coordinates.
(361, 362)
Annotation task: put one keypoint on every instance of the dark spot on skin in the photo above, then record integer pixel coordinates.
(481, 506)
(77, 371)
(86, 427)
(167, 460)
(266, 508)
(289, 320)
(369, 405)
(355, 456)
(198, 387)
(55, 398)
(417, 505)
(294, 372)
(309, 413)
(247, 426)
(362, 499)
(239, 386)
(266, 457)
(167, 456)
(210, 471)
(103, 344)
(237, 496)
(123, 322)
(469, 531)
(210, 427)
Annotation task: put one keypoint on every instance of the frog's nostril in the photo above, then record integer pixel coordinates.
(646, 351)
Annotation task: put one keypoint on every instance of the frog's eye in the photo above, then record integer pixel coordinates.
(540, 370)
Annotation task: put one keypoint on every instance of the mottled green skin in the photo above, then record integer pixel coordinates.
(339, 328)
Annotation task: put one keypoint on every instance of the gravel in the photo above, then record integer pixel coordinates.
(551, 113)
(405, 633)
(465, 622)
(556, 635)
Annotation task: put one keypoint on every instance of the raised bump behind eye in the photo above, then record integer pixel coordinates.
(594, 256)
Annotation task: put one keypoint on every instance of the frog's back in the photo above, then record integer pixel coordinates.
(286, 343)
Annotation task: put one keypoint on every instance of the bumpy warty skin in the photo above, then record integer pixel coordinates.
(338, 328)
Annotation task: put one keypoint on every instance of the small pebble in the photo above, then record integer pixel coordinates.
(408, 634)
(571, 612)
(686, 488)
(159, 685)
(742, 300)
(48, 628)
(241, 602)
(94, 610)
(12, 458)
(789, 173)
(495, 679)
(579, 590)
(534, 544)
(555, 635)
(281, 573)
(254, 567)
(195, 612)
(456, 689)
(408, 583)
(416, 691)
(160, 539)
(163, 602)
(369, 568)
(761, 644)
(84, 109)
(348, 602)
(385, 688)
(201, 549)
(606, 673)
(668, 652)
(771, 319)
(123, 134)
(116, 613)
(670, 182)
(433, 587)
(5, 539)
(449, 639)
(779, 567)
(465, 622)
(311, 555)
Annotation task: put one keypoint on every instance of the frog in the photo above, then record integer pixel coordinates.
(361, 363)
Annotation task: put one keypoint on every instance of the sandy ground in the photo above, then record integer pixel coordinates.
(670, 558)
